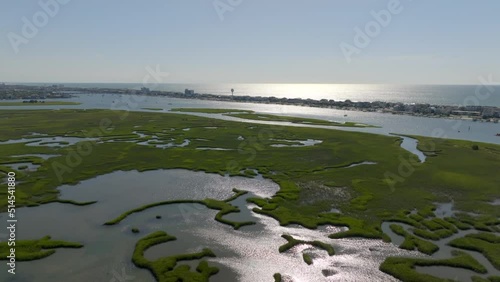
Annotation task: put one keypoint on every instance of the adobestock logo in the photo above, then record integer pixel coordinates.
(223, 6)
(31, 27)
(372, 29)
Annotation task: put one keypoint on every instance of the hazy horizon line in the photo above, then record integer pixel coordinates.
(292, 83)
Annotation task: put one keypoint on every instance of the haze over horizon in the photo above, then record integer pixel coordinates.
(239, 41)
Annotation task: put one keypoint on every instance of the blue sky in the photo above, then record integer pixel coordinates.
(256, 41)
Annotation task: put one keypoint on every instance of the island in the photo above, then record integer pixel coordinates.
(474, 112)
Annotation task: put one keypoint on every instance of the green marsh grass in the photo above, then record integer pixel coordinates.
(307, 258)
(299, 120)
(486, 243)
(292, 242)
(166, 269)
(404, 268)
(311, 182)
(44, 103)
(27, 250)
(224, 208)
(209, 111)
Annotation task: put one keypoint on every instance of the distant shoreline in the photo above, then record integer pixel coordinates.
(475, 113)
(39, 103)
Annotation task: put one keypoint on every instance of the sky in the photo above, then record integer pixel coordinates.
(250, 41)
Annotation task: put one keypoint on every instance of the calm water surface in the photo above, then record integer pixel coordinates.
(388, 123)
(248, 254)
(432, 94)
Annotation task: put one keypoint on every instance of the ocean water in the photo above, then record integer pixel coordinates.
(481, 94)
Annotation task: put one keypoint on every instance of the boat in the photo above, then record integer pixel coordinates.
(498, 134)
